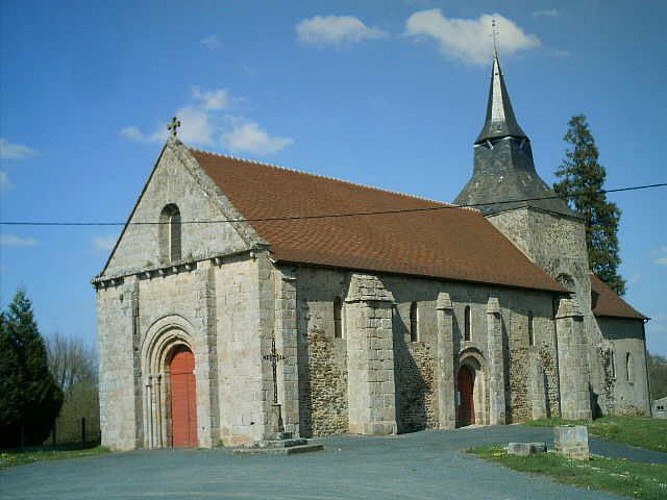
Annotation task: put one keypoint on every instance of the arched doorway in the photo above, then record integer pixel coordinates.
(183, 397)
(465, 382)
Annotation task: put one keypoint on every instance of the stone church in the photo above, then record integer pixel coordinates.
(392, 313)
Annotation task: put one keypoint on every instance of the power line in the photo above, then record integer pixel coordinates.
(339, 215)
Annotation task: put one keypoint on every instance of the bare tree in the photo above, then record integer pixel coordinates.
(71, 362)
(73, 365)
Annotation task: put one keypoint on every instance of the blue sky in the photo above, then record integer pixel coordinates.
(386, 93)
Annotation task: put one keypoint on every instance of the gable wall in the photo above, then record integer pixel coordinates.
(171, 182)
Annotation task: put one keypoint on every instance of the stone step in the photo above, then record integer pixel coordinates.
(278, 450)
(281, 443)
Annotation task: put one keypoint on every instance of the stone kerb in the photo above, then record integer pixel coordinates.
(572, 442)
(370, 346)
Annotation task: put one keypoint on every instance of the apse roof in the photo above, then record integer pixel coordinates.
(605, 302)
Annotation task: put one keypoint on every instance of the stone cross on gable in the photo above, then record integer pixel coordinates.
(274, 357)
(173, 126)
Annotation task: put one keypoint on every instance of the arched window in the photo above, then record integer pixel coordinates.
(531, 329)
(338, 318)
(612, 364)
(170, 233)
(467, 324)
(414, 323)
(629, 367)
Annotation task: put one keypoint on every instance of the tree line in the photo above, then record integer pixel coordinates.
(41, 380)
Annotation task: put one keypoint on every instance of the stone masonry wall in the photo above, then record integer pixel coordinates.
(328, 389)
(415, 387)
(533, 370)
(244, 391)
(558, 245)
(174, 180)
(115, 326)
(630, 389)
(519, 368)
(323, 398)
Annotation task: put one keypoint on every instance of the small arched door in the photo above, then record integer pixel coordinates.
(183, 398)
(466, 404)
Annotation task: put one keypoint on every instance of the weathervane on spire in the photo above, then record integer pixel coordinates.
(173, 126)
(494, 32)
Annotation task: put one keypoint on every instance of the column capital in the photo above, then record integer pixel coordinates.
(444, 302)
(493, 305)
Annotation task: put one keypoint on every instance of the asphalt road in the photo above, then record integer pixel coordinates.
(423, 465)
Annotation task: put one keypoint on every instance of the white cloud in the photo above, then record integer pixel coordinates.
(135, 135)
(206, 121)
(105, 243)
(11, 240)
(249, 137)
(546, 13)
(470, 40)
(338, 31)
(660, 256)
(5, 183)
(196, 125)
(9, 151)
(211, 42)
(214, 99)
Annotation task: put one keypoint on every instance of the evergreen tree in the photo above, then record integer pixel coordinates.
(11, 400)
(581, 184)
(30, 399)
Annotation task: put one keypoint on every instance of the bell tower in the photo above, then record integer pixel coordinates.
(507, 189)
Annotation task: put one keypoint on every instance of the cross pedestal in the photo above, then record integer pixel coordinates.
(277, 428)
(279, 442)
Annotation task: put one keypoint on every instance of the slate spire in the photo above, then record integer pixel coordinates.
(500, 119)
(504, 177)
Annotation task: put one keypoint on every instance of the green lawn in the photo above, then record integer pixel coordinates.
(619, 476)
(649, 433)
(13, 458)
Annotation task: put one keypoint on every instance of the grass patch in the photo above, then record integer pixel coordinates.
(648, 433)
(14, 458)
(638, 480)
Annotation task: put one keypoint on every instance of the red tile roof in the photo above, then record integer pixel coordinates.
(605, 302)
(443, 242)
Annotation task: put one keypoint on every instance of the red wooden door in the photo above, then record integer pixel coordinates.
(466, 385)
(183, 398)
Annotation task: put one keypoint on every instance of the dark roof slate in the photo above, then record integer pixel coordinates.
(500, 119)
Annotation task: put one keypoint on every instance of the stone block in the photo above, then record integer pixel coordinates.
(572, 441)
(526, 449)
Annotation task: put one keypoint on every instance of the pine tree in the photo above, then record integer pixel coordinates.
(11, 400)
(30, 400)
(581, 184)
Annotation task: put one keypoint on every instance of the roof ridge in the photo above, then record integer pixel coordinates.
(321, 176)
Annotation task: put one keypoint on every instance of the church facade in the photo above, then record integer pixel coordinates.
(391, 313)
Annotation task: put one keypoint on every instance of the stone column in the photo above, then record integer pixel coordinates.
(370, 359)
(286, 344)
(445, 376)
(496, 357)
(206, 354)
(135, 298)
(575, 403)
